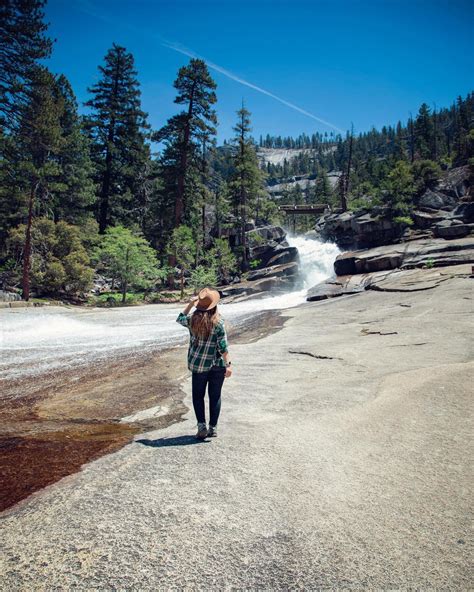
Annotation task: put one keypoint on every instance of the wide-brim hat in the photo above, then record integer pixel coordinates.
(207, 299)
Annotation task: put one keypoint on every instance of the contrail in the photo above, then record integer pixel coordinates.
(89, 8)
(180, 49)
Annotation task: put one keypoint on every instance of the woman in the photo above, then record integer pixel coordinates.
(208, 357)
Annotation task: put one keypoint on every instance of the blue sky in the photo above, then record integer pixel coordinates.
(366, 62)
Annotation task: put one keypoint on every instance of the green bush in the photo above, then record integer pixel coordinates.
(202, 277)
(255, 263)
(60, 264)
(403, 220)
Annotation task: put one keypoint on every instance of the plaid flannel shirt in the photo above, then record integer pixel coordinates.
(205, 353)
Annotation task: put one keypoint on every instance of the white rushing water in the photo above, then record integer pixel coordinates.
(37, 340)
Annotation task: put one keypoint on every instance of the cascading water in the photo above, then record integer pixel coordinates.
(34, 341)
(316, 259)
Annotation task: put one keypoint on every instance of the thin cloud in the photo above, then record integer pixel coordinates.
(183, 50)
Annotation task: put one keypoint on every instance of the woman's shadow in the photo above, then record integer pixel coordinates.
(176, 441)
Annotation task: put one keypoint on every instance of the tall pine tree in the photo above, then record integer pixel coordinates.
(22, 43)
(118, 131)
(184, 136)
(247, 180)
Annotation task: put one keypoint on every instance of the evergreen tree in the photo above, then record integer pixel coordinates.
(184, 136)
(22, 44)
(424, 133)
(183, 247)
(35, 165)
(322, 188)
(127, 258)
(75, 192)
(118, 130)
(247, 180)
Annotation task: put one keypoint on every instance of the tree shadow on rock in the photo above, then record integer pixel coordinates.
(176, 441)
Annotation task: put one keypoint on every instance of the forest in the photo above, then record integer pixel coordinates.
(104, 195)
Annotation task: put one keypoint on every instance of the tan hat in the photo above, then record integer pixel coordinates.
(208, 298)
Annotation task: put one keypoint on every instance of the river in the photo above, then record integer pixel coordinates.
(36, 341)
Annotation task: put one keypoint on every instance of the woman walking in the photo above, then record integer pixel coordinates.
(208, 357)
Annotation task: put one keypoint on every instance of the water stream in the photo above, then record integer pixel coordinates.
(34, 341)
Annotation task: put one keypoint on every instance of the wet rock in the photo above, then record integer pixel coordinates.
(288, 269)
(268, 246)
(283, 255)
(276, 278)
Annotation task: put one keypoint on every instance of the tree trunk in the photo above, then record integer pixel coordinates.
(182, 282)
(27, 249)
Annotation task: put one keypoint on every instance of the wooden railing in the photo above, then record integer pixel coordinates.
(304, 209)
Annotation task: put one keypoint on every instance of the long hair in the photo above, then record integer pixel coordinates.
(203, 322)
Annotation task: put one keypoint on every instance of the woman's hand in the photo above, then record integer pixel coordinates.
(190, 304)
(228, 372)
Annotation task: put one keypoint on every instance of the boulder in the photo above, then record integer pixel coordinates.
(288, 269)
(340, 286)
(268, 233)
(427, 217)
(417, 253)
(465, 212)
(456, 182)
(436, 200)
(9, 296)
(283, 255)
(261, 286)
(451, 229)
(359, 229)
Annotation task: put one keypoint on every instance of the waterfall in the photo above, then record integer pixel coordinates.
(316, 259)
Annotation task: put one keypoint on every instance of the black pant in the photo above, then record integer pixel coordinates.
(214, 379)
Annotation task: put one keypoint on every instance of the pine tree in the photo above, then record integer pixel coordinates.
(76, 192)
(424, 133)
(184, 136)
(22, 44)
(38, 147)
(247, 180)
(118, 131)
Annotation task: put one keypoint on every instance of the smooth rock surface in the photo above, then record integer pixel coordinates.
(416, 253)
(342, 463)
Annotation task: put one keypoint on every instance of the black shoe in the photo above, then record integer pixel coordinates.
(212, 432)
(202, 431)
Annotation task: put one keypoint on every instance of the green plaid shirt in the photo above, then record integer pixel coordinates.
(205, 353)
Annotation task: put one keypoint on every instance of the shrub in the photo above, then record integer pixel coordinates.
(255, 263)
(59, 261)
(202, 277)
(403, 220)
